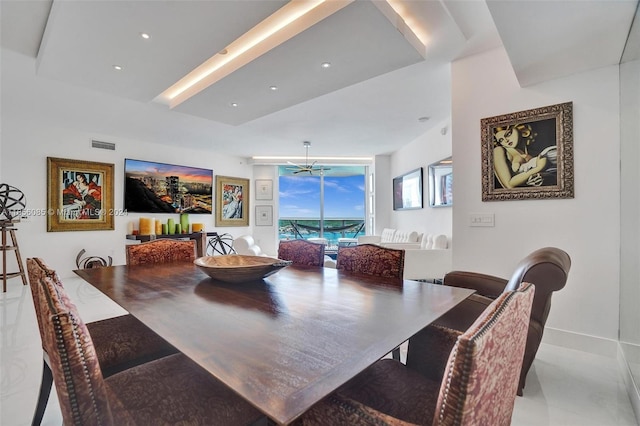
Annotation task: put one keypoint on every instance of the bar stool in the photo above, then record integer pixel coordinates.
(5, 227)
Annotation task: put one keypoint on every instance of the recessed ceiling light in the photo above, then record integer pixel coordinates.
(273, 88)
(145, 36)
(423, 119)
(234, 104)
(117, 67)
(326, 65)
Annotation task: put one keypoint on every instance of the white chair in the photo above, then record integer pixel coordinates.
(247, 246)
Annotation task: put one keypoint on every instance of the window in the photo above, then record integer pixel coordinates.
(329, 204)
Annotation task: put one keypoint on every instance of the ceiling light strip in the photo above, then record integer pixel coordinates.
(290, 20)
(399, 17)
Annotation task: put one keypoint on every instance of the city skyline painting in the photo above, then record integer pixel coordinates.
(152, 187)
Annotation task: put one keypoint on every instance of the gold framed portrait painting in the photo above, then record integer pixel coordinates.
(528, 154)
(79, 195)
(232, 201)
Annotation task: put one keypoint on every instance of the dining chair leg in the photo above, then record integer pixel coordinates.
(43, 397)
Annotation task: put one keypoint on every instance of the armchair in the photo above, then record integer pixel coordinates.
(547, 268)
(246, 245)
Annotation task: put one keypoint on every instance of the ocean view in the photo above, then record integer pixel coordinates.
(292, 228)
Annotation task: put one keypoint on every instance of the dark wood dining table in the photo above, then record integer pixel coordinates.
(282, 343)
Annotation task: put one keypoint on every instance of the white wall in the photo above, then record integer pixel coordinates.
(44, 118)
(587, 226)
(630, 203)
(429, 148)
(266, 236)
(382, 205)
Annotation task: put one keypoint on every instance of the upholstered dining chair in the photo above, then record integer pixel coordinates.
(120, 342)
(168, 390)
(371, 259)
(161, 251)
(547, 268)
(477, 388)
(302, 252)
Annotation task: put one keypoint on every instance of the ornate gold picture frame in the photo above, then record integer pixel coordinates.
(232, 201)
(528, 154)
(79, 195)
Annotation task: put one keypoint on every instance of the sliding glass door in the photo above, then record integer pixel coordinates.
(328, 204)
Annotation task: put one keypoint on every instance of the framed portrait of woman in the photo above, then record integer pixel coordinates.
(528, 154)
(79, 195)
(232, 201)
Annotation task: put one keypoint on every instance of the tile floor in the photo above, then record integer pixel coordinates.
(565, 387)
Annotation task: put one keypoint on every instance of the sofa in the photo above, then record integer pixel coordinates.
(427, 256)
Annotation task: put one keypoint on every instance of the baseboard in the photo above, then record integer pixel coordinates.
(630, 383)
(580, 342)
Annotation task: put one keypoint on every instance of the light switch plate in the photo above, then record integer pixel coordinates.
(481, 219)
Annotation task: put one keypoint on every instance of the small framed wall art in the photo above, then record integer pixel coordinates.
(264, 216)
(264, 189)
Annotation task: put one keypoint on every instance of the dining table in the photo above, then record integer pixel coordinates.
(284, 342)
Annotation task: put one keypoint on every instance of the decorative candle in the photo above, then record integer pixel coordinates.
(165, 230)
(197, 227)
(158, 227)
(184, 222)
(178, 228)
(146, 226)
(171, 226)
(130, 228)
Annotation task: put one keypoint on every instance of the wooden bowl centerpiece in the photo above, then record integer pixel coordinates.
(237, 268)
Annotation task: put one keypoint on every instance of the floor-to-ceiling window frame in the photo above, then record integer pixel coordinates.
(328, 203)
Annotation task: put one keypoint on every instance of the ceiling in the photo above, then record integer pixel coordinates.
(367, 103)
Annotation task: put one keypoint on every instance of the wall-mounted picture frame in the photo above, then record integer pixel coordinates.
(264, 216)
(407, 190)
(528, 154)
(152, 187)
(264, 189)
(232, 201)
(79, 195)
(441, 183)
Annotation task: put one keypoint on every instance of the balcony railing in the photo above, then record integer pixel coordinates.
(332, 229)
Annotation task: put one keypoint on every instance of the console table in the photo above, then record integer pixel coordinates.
(200, 237)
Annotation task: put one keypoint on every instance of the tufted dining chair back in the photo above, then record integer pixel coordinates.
(161, 251)
(481, 378)
(302, 252)
(371, 259)
(70, 351)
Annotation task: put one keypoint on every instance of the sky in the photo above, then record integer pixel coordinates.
(161, 170)
(344, 197)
